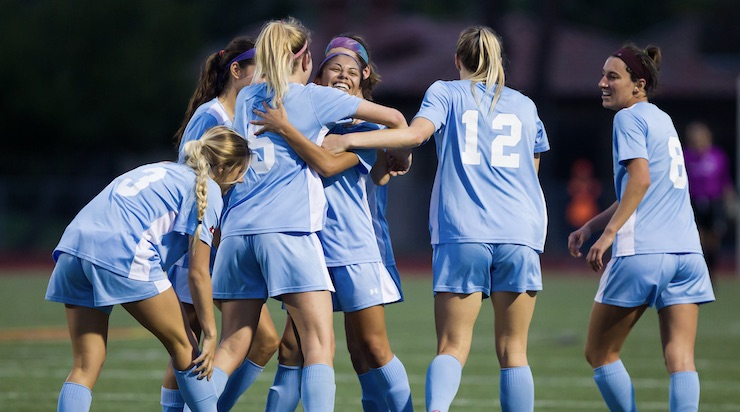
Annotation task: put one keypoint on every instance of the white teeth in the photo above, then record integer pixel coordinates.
(341, 86)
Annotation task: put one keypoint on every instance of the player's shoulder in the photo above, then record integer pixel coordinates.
(253, 91)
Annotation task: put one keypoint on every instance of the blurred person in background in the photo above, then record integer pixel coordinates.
(711, 188)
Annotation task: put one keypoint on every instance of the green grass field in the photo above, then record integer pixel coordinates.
(36, 354)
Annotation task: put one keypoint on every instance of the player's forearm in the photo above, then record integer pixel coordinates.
(633, 194)
(201, 291)
(379, 173)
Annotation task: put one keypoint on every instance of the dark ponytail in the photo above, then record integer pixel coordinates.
(213, 78)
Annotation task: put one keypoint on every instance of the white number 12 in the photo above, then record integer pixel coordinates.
(470, 154)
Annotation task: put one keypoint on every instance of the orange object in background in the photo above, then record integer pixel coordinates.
(584, 190)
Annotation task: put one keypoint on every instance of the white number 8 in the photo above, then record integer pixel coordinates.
(678, 166)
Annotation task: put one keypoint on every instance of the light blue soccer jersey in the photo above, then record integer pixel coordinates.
(139, 225)
(664, 221)
(377, 200)
(206, 116)
(280, 192)
(486, 189)
(348, 236)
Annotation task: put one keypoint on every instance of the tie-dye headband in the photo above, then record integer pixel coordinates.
(351, 44)
(333, 55)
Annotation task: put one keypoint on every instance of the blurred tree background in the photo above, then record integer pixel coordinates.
(93, 88)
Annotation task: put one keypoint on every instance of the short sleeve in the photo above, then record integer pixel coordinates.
(194, 130)
(331, 105)
(212, 213)
(435, 105)
(629, 134)
(541, 142)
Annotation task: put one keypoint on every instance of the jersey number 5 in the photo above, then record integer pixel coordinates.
(129, 187)
(470, 153)
(262, 161)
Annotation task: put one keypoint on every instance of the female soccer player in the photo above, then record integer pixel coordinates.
(212, 104)
(117, 249)
(351, 250)
(269, 245)
(657, 258)
(487, 214)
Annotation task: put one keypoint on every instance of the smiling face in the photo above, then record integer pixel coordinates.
(342, 72)
(617, 88)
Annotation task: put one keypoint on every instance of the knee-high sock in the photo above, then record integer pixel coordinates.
(684, 392)
(171, 400)
(516, 389)
(318, 388)
(394, 382)
(372, 399)
(74, 398)
(285, 392)
(239, 381)
(443, 381)
(200, 395)
(615, 386)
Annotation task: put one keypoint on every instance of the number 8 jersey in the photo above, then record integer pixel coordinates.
(664, 220)
(486, 189)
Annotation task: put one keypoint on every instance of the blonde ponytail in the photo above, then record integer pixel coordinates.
(279, 46)
(479, 51)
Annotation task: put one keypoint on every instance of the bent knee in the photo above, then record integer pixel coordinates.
(265, 344)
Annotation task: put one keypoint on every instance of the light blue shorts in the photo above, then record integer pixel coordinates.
(393, 270)
(485, 267)
(269, 265)
(79, 282)
(361, 286)
(178, 275)
(659, 279)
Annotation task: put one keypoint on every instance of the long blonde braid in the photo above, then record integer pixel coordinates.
(216, 154)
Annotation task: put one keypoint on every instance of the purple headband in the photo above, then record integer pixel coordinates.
(633, 63)
(351, 44)
(249, 54)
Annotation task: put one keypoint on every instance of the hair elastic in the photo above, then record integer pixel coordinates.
(351, 44)
(633, 63)
(303, 49)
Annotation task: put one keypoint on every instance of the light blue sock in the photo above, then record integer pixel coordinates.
(372, 399)
(74, 398)
(238, 383)
(285, 392)
(516, 389)
(171, 400)
(394, 383)
(683, 394)
(318, 388)
(616, 387)
(200, 395)
(443, 380)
